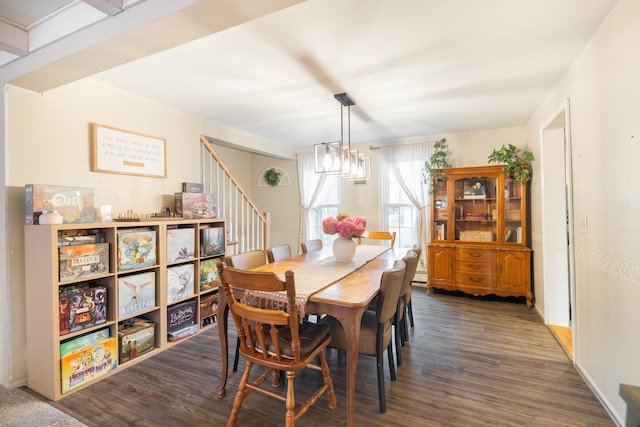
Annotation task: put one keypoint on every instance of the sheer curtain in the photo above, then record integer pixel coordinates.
(309, 184)
(406, 163)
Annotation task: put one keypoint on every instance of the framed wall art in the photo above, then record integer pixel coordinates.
(118, 151)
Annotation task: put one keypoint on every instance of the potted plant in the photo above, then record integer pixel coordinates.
(517, 161)
(438, 161)
(272, 177)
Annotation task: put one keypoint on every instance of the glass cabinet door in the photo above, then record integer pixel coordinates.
(513, 211)
(440, 211)
(476, 209)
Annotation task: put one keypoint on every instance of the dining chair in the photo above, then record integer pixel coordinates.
(375, 327)
(247, 260)
(311, 245)
(401, 332)
(244, 261)
(277, 253)
(272, 336)
(417, 249)
(379, 235)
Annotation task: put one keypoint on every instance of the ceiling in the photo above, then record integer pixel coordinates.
(413, 67)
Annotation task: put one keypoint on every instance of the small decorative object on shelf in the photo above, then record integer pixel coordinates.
(50, 217)
(272, 177)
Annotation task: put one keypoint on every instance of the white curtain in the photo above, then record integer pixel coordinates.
(406, 163)
(309, 184)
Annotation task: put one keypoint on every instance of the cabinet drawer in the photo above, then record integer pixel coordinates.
(475, 280)
(476, 267)
(473, 254)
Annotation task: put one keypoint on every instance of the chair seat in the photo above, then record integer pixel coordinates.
(311, 336)
(368, 331)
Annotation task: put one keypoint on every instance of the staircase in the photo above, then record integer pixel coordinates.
(247, 227)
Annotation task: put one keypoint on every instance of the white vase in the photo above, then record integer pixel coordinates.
(344, 249)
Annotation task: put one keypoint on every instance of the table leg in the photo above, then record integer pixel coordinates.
(351, 324)
(223, 315)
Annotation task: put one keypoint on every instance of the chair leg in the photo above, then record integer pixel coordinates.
(290, 419)
(397, 334)
(410, 310)
(240, 395)
(236, 358)
(379, 351)
(326, 375)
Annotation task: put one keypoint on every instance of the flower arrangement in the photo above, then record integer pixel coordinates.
(348, 227)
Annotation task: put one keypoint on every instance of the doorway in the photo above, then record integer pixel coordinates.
(557, 228)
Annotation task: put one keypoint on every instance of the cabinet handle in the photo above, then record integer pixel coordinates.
(476, 266)
(476, 279)
(475, 254)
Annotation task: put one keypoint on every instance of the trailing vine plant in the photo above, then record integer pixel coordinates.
(436, 163)
(272, 177)
(517, 162)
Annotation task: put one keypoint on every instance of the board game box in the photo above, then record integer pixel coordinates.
(208, 273)
(136, 339)
(211, 241)
(182, 333)
(83, 341)
(192, 187)
(83, 365)
(208, 309)
(180, 282)
(80, 261)
(195, 205)
(81, 306)
(136, 293)
(181, 244)
(136, 248)
(75, 204)
(181, 315)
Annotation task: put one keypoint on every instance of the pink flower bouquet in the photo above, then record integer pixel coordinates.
(346, 226)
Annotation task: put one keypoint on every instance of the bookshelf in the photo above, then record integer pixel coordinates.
(154, 269)
(478, 235)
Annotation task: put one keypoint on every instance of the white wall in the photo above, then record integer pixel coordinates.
(604, 92)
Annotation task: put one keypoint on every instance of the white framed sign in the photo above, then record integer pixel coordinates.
(118, 151)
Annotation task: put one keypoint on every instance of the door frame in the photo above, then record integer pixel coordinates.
(560, 119)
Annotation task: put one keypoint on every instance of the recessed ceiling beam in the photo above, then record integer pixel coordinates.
(13, 39)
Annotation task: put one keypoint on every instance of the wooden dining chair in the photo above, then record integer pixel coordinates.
(277, 253)
(379, 235)
(375, 327)
(401, 332)
(245, 261)
(311, 245)
(275, 338)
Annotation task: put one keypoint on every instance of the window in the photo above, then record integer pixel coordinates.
(327, 204)
(399, 213)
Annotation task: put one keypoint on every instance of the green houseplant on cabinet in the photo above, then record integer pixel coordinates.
(438, 161)
(517, 161)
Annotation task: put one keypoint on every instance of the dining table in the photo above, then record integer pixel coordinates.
(346, 299)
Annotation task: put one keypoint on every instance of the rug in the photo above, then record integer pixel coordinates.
(19, 409)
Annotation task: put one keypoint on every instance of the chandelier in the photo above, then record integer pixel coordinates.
(338, 158)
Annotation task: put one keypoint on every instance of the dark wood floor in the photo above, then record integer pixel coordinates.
(470, 361)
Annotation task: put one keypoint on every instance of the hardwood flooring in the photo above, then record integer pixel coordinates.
(470, 361)
(564, 336)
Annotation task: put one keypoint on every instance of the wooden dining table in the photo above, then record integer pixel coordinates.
(345, 299)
